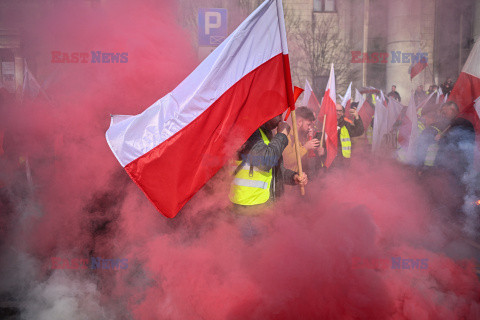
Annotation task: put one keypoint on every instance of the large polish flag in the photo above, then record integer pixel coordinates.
(328, 114)
(176, 145)
(467, 90)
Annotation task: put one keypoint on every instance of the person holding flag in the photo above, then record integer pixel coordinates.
(180, 142)
(308, 144)
(259, 175)
(346, 129)
(336, 128)
(456, 141)
(466, 94)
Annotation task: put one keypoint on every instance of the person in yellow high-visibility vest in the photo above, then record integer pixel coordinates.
(258, 173)
(346, 129)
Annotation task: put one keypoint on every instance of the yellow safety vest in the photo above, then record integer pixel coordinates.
(432, 152)
(369, 134)
(346, 143)
(251, 186)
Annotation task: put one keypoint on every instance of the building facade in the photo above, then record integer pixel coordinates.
(372, 42)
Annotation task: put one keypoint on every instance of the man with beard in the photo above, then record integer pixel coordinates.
(259, 174)
(308, 144)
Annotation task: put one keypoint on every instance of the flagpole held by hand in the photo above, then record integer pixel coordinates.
(440, 135)
(296, 93)
(297, 149)
(323, 130)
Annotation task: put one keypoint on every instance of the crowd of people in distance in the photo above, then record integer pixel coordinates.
(444, 142)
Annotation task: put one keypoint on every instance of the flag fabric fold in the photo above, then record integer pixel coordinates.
(364, 109)
(347, 100)
(439, 95)
(297, 91)
(467, 88)
(329, 115)
(309, 99)
(466, 92)
(359, 98)
(423, 103)
(408, 133)
(176, 145)
(394, 109)
(366, 113)
(379, 124)
(386, 116)
(477, 106)
(417, 68)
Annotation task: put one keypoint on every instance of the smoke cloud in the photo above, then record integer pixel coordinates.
(64, 200)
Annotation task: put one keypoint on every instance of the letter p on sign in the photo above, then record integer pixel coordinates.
(212, 21)
(212, 26)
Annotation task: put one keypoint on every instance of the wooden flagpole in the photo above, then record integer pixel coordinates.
(297, 149)
(323, 130)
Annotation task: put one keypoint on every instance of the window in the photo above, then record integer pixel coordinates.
(329, 5)
(324, 6)
(7, 69)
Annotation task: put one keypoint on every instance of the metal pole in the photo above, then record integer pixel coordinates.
(365, 40)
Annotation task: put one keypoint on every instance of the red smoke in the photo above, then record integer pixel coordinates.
(296, 261)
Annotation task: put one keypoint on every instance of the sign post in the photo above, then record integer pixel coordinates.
(212, 29)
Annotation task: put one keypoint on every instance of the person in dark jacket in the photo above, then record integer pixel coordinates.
(308, 144)
(346, 129)
(259, 176)
(456, 143)
(427, 146)
(394, 94)
(419, 95)
(447, 86)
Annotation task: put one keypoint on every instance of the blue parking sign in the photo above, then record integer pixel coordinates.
(212, 26)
